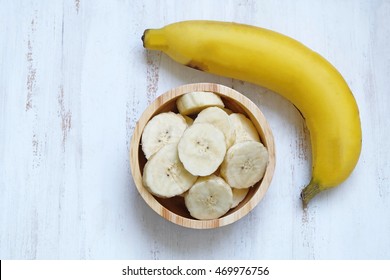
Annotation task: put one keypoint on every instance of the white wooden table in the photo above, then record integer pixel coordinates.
(74, 79)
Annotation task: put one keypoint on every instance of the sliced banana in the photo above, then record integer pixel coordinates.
(244, 128)
(162, 129)
(220, 119)
(202, 149)
(164, 175)
(244, 164)
(209, 198)
(194, 102)
(239, 195)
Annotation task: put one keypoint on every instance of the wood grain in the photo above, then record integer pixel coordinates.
(74, 80)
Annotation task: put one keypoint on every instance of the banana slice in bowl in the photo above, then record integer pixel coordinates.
(244, 164)
(244, 129)
(220, 119)
(238, 196)
(164, 175)
(162, 129)
(209, 198)
(195, 101)
(202, 149)
(199, 155)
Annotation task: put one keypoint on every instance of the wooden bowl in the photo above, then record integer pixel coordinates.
(174, 209)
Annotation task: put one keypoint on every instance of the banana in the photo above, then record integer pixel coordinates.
(238, 196)
(285, 66)
(202, 149)
(162, 129)
(194, 102)
(219, 118)
(164, 175)
(209, 198)
(244, 128)
(244, 164)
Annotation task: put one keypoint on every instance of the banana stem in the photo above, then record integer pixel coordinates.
(309, 192)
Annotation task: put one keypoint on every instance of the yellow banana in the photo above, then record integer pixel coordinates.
(284, 65)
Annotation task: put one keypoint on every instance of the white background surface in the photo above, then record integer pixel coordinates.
(74, 79)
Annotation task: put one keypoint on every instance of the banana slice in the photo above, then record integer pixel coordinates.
(244, 164)
(194, 102)
(164, 175)
(202, 149)
(238, 195)
(162, 129)
(209, 198)
(220, 119)
(244, 128)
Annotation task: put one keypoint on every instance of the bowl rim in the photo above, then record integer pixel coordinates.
(253, 112)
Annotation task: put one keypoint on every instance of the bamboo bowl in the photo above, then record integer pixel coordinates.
(173, 209)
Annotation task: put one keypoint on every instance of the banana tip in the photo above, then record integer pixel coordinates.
(143, 37)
